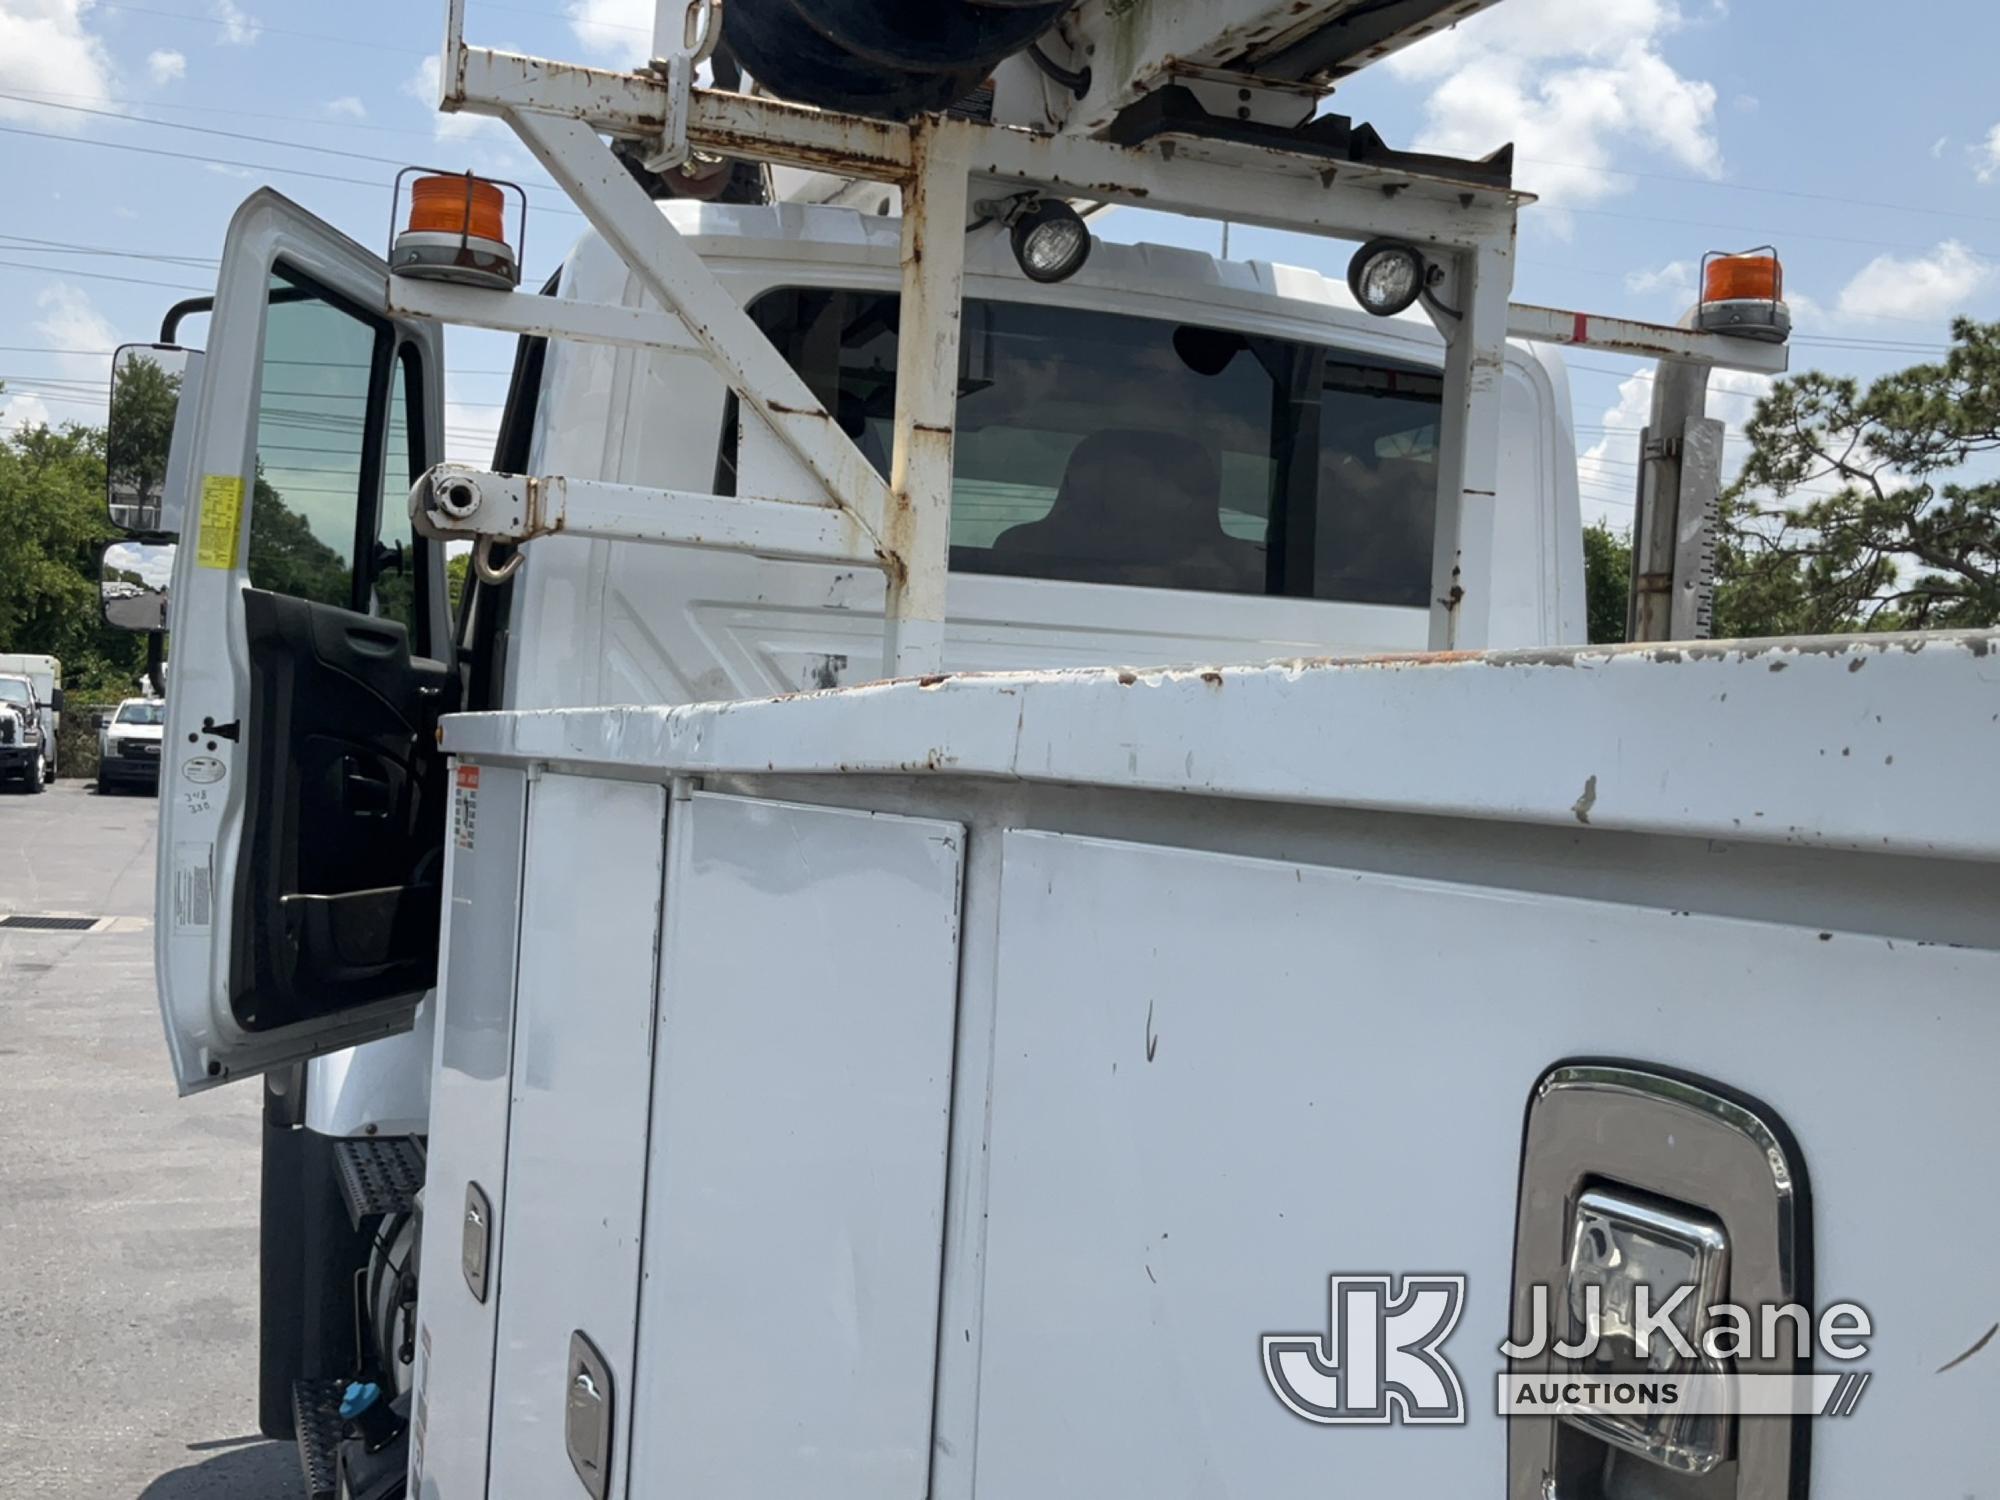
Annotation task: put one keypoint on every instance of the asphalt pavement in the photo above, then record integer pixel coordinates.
(128, 1216)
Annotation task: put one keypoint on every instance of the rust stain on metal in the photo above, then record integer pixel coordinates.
(1212, 677)
(932, 679)
(1128, 678)
(860, 147)
(893, 566)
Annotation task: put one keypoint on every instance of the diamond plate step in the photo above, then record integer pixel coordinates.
(378, 1175)
(316, 1419)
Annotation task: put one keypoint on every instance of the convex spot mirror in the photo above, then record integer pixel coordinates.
(133, 582)
(145, 396)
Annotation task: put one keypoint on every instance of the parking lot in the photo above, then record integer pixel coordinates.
(128, 1244)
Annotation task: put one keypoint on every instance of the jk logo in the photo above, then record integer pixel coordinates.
(1380, 1362)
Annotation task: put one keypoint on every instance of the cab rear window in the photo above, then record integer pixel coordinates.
(1103, 448)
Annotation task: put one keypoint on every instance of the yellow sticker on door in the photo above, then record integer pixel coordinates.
(221, 520)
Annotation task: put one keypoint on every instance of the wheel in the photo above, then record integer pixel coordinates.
(35, 775)
(103, 787)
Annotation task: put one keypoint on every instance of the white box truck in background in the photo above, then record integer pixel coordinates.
(45, 672)
(1011, 878)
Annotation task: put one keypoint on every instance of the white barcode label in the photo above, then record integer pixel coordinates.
(194, 887)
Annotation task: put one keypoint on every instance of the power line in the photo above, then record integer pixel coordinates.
(31, 246)
(175, 286)
(219, 161)
(224, 161)
(1765, 235)
(238, 135)
(43, 98)
(1746, 187)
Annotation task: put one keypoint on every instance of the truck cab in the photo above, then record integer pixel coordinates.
(1165, 458)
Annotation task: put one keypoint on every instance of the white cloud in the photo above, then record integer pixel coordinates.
(1609, 466)
(17, 412)
(347, 107)
(154, 564)
(422, 86)
(619, 31)
(1568, 81)
(1675, 276)
(1917, 286)
(1986, 157)
(238, 29)
(1938, 146)
(44, 49)
(166, 67)
(470, 432)
(69, 321)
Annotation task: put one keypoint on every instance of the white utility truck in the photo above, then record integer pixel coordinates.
(45, 674)
(1010, 879)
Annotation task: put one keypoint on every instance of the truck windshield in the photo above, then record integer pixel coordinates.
(15, 690)
(139, 713)
(1104, 448)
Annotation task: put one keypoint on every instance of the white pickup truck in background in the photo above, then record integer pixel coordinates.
(128, 744)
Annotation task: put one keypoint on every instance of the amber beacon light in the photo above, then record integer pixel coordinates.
(1744, 295)
(457, 230)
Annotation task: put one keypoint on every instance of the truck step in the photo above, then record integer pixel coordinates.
(378, 1175)
(316, 1420)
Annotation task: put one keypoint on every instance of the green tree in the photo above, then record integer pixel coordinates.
(1869, 508)
(144, 396)
(53, 527)
(285, 556)
(1607, 582)
(395, 592)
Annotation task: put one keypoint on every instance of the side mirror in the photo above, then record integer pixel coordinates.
(133, 582)
(56, 699)
(139, 436)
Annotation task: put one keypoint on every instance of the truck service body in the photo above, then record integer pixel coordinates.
(737, 1021)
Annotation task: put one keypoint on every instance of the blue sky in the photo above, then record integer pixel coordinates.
(1869, 153)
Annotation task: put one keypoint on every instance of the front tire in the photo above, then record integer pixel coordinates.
(35, 781)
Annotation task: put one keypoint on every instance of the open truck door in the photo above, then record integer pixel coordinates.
(302, 790)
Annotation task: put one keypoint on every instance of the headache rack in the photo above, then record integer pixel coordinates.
(1148, 138)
